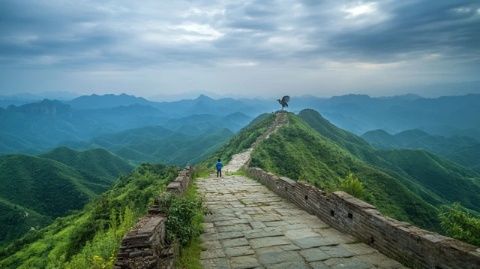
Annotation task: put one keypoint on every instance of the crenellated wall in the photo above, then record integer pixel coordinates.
(145, 245)
(414, 247)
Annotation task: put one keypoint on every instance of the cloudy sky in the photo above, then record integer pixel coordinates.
(239, 48)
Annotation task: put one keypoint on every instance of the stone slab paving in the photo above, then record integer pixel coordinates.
(248, 226)
(238, 160)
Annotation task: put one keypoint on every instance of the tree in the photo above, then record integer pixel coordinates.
(352, 185)
(458, 223)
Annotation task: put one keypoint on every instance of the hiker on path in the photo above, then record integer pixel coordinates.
(219, 166)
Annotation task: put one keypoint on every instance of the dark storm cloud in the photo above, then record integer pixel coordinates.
(64, 30)
(34, 29)
(451, 27)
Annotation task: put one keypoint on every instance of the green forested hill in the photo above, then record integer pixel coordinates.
(91, 237)
(406, 185)
(34, 190)
(436, 179)
(157, 144)
(95, 162)
(447, 180)
(240, 142)
(460, 149)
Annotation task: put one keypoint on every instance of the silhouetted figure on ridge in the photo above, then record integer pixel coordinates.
(219, 166)
(284, 101)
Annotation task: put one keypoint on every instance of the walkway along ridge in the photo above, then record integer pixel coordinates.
(275, 222)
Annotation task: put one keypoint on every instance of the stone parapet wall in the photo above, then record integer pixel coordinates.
(414, 247)
(145, 246)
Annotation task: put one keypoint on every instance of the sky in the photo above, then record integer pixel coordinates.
(253, 48)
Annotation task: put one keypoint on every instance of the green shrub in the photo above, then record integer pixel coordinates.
(181, 215)
(190, 253)
(352, 185)
(460, 224)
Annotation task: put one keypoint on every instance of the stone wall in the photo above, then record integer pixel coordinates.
(401, 241)
(145, 245)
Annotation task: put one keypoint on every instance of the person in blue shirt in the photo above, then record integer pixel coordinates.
(219, 166)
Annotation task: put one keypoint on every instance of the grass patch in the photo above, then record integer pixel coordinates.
(201, 172)
(241, 172)
(190, 252)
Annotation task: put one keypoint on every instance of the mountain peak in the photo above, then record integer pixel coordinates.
(412, 133)
(95, 101)
(203, 97)
(45, 107)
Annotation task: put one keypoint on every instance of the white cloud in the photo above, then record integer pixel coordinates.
(360, 9)
(193, 32)
(363, 14)
(203, 12)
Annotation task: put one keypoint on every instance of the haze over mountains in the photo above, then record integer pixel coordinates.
(40, 126)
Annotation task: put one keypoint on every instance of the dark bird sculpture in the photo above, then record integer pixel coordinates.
(284, 101)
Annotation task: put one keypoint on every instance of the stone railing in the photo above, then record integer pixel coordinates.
(401, 241)
(145, 245)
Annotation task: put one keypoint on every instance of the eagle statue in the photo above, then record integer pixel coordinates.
(284, 101)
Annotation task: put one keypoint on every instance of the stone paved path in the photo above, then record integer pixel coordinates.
(248, 226)
(238, 160)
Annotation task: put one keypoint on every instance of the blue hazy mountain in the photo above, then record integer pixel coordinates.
(448, 115)
(95, 101)
(39, 126)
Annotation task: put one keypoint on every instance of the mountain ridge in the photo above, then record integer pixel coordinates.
(311, 148)
(458, 149)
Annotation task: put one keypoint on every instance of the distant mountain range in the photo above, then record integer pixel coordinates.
(37, 127)
(36, 189)
(40, 126)
(107, 101)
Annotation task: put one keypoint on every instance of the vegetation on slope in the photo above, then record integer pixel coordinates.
(460, 149)
(190, 213)
(90, 238)
(458, 223)
(34, 190)
(238, 143)
(158, 144)
(447, 180)
(436, 180)
(95, 162)
(299, 152)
